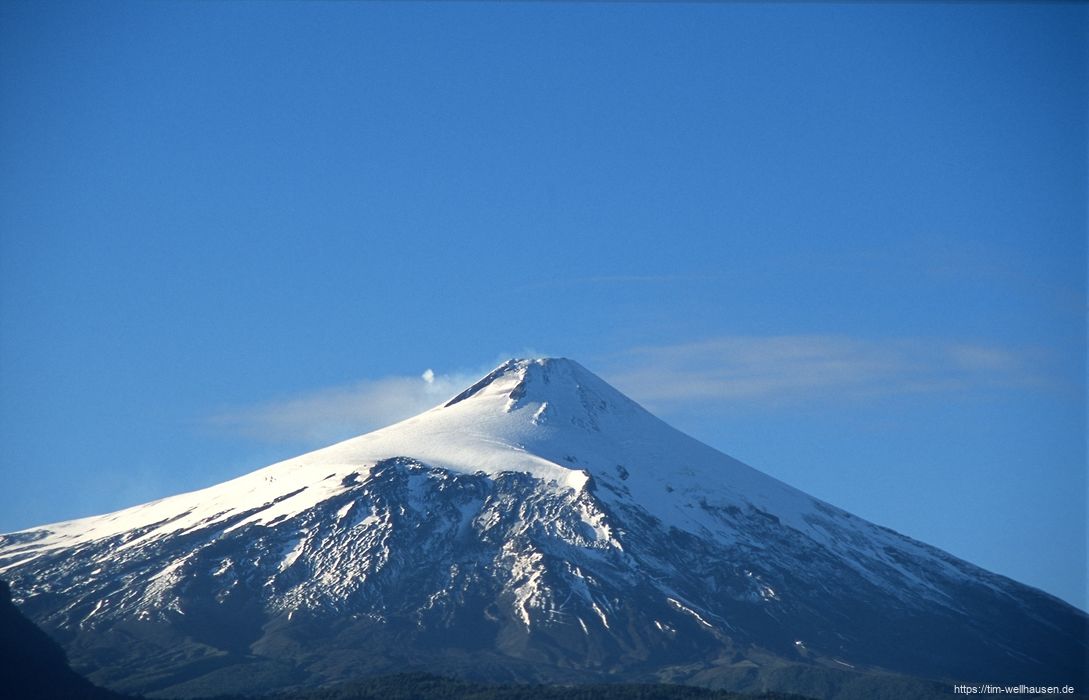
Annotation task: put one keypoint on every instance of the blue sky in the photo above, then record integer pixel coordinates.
(843, 243)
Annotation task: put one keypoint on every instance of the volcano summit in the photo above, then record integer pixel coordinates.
(537, 526)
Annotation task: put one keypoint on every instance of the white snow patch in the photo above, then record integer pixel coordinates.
(526, 574)
(291, 551)
(170, 569)
(684, 608)
(601, 614)
(98, 606)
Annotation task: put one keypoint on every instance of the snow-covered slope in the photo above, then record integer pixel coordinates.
(551, 419)
(542, 523)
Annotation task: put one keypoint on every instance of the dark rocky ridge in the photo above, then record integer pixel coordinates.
(34, 666)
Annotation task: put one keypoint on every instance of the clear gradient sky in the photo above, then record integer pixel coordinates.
(843, 243)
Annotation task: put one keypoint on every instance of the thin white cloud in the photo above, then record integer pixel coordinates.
(324, 416)
(805, 368)
(337, 413)
(742, 370)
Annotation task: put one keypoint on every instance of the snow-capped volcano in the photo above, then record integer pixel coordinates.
(550, 419)
(538, 525)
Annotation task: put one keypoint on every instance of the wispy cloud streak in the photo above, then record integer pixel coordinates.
(797, 368)
(742, 370)
(336, 413)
